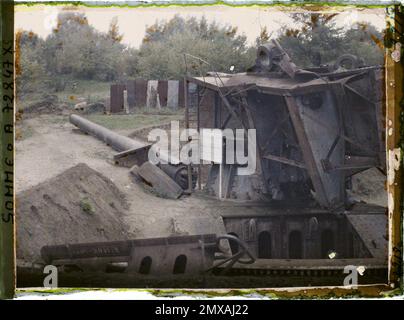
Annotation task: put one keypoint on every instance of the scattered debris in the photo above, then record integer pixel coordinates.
(48, 104)
(161, 183)
(80, 106)
(97, 107)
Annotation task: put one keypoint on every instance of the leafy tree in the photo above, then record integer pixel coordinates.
(31, 69)
(263, 38)
(131, 62)
(365, 41)
(316, 40)
(75, 48)
(162, 53)
(113, 31)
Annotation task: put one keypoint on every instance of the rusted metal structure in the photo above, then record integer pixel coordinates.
(162, 90)
(315, 128)
(169, 95)
(131, 90)
(117, 98)
(172, 255)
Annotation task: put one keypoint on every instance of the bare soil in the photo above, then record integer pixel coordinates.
(63, 210)
(52, 146)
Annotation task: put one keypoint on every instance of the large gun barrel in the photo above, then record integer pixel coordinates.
(116, 141)
(121, 143)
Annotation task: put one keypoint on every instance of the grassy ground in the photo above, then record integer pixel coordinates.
(122, 123)
(132, 121)
(91, 91)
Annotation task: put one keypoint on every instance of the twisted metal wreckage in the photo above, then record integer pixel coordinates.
(315, 127)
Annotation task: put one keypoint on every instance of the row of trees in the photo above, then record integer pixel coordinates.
(76, 50)
(315, 39)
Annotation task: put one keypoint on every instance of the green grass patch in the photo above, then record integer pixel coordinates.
(132, 121)
(86, 206)
(90, 90)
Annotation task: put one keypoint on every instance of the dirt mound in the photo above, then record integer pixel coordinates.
(78, 205)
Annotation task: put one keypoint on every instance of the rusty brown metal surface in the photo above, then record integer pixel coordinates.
(181, 99)
(304, 119)
(130, 88)
(140, 93)
(131, 157)
(117, 102)
(206, 112)
(162, 90)
(394, 98)
(116, 248)
(271, 85)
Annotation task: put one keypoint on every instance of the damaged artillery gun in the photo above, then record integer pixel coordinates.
(315, 129)
(134, 153)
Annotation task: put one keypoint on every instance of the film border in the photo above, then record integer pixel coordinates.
(394, 146)
(7, 242)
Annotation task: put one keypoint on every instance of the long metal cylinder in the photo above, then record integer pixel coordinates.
(121, 143)
(116, 141)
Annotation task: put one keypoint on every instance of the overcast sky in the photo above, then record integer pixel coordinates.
(132, 21)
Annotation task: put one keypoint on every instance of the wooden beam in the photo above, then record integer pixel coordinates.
(394, 95)
(285, 161)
